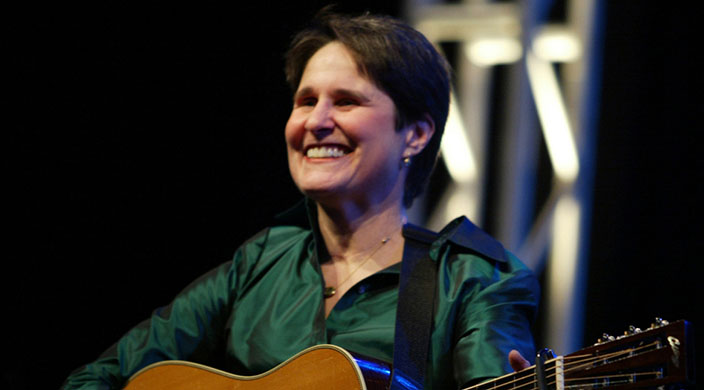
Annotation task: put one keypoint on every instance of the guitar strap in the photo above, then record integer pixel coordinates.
(414, 316)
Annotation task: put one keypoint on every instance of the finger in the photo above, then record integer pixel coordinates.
(517, 361)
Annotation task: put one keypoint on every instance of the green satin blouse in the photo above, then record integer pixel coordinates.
(251, 313)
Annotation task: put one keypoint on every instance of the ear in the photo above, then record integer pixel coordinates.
(418, 135)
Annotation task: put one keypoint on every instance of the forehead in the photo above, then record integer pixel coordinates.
(334, 61)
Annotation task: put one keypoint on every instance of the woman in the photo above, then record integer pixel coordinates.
(371, 97)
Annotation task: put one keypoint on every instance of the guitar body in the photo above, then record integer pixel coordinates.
(318, 367)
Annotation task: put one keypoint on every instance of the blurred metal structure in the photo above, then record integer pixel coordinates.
(551, 50)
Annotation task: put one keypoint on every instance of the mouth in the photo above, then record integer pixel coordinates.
(326, 151)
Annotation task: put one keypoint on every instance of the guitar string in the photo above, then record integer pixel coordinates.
(568, 383)
(612, 380)
(631, 375)
(577, 363)
(583, 362)
(588, 361)
(512, 383)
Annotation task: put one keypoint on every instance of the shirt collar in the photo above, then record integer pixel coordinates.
(460, 232)
(304, 214)
(300, 214)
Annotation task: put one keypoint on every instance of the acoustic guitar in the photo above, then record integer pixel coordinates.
(661, 356)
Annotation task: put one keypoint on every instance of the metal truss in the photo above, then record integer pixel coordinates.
(552, 60)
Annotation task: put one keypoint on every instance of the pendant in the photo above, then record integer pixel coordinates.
(329, 291)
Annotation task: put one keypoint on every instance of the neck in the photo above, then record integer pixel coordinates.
(353, 230)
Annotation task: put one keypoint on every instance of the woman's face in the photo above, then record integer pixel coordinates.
(341, 138)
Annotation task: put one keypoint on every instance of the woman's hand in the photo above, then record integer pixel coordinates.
(517, 361)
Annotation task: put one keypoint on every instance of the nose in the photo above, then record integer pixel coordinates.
(320, 122)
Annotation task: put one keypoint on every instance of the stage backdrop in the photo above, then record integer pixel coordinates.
(147, 144)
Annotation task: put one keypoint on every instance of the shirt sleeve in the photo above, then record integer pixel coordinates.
(189, 328)
(496, 316)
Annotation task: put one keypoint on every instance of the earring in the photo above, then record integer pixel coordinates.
(407, 161)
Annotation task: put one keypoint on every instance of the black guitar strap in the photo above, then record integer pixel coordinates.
(414, 316)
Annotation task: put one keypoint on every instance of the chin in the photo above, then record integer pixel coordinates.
(314, 184)
(326, 195)
(320, 193)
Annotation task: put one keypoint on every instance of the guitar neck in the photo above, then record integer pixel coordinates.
(659, 356)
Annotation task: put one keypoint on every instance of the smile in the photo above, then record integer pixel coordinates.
(326, 151)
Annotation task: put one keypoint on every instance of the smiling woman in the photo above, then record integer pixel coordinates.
(342, 146)
(371, 97)
(400, 62)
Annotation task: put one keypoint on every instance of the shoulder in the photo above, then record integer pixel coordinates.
(468, 252)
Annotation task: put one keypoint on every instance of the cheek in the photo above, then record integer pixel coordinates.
(293, 132)
(294, 142)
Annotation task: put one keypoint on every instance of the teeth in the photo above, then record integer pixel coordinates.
(324, 151)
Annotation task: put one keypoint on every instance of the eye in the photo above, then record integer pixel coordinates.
(306, 101)
(346, 102)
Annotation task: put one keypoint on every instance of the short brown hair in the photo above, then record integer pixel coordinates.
(400, 61)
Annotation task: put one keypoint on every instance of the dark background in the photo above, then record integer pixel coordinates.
(146, 143)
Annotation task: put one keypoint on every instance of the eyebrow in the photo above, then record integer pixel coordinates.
(337, 92)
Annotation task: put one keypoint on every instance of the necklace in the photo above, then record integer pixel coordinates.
(330, 290)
